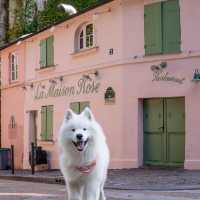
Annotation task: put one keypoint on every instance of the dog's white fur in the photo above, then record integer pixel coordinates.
(81, 186)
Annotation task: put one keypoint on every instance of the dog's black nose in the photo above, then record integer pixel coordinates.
(79, 136)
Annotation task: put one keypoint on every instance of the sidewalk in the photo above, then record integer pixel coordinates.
(127, 179)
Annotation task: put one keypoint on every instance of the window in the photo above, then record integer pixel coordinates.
(162, 27)
(13, 67)
(78, 107)
(47, 123)
(12, 122)
(46, 52)
(86, 37)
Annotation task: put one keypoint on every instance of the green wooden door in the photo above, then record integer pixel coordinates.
(164, 131)
(175, 130)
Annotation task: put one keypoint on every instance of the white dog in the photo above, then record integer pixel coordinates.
(85, 156)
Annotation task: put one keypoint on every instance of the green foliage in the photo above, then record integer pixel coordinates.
(29, 20)
(25, 19)
(52, 13)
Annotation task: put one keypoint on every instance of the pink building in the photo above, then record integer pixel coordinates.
(135, 63)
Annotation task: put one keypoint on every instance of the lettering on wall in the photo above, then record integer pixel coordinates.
(82, 87)
(160, 74)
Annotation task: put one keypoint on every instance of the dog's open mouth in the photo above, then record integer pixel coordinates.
(80, 145)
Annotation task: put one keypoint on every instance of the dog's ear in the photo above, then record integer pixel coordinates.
(88, 113)
(69, 114)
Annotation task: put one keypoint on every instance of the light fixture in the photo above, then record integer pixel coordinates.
(24, 87)
(87, 76)
(96, 73)
(163, 65)
(196, 76)
(52, 81)
(31, 85)
(61, 78)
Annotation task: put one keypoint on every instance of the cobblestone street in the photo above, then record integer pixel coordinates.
(17, 190)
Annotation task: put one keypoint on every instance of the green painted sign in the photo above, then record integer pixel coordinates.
(82, 87)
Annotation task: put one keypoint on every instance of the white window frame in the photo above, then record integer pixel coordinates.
(13, 67)
(86, 37)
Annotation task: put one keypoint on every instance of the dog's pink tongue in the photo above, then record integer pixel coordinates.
(81, 145)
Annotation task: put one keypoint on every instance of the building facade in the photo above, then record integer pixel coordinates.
(134, 63)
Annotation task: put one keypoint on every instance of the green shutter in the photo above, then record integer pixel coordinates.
(75, 107)
(171, 27)
(49, 123)
(153, 28)
(43, 45)
(50, 51)
(83, 105)
(43, 123)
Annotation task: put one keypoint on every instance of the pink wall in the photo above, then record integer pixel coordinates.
(12, 104)
(128, 71)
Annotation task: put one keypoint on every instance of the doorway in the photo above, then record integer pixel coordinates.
(33, 127)
(164, 131)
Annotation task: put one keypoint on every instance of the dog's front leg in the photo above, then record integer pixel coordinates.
(74, 191)
(91, 192)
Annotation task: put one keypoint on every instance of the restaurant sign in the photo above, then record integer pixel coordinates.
(159, 74)
(82, 87)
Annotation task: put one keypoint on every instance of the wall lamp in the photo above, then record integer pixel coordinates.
(25, 87)
(196, 76)
(52, 81)
(161, 66)
(88, 76)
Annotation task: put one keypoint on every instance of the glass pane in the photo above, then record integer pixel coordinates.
(13, 76)
(89, 29)
(91, 40)
(81, 43)
(87, 42)
(16, 74)
(81, 35)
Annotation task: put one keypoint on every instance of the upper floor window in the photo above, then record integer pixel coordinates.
(46, 52)
(86, 37)
(162, 27)
(13, 67)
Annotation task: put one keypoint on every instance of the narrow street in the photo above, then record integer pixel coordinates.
(16, 190)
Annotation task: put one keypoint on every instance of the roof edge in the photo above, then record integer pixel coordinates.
(96, 5)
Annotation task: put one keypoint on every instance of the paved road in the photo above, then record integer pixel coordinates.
(13, 190)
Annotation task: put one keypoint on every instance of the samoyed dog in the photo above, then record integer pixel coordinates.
(84, 156)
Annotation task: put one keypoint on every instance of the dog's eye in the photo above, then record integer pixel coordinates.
(73, 129)
(84, 129)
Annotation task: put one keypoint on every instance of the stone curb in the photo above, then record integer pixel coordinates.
(60, 180)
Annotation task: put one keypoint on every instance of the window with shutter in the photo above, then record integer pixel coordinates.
(83, 105)
(153, 29)
(47, 52)
(171, 27)
(43, 122)
(43, 56)
(162, 29)
(50, 51)
(75, 107)
(47, 123)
